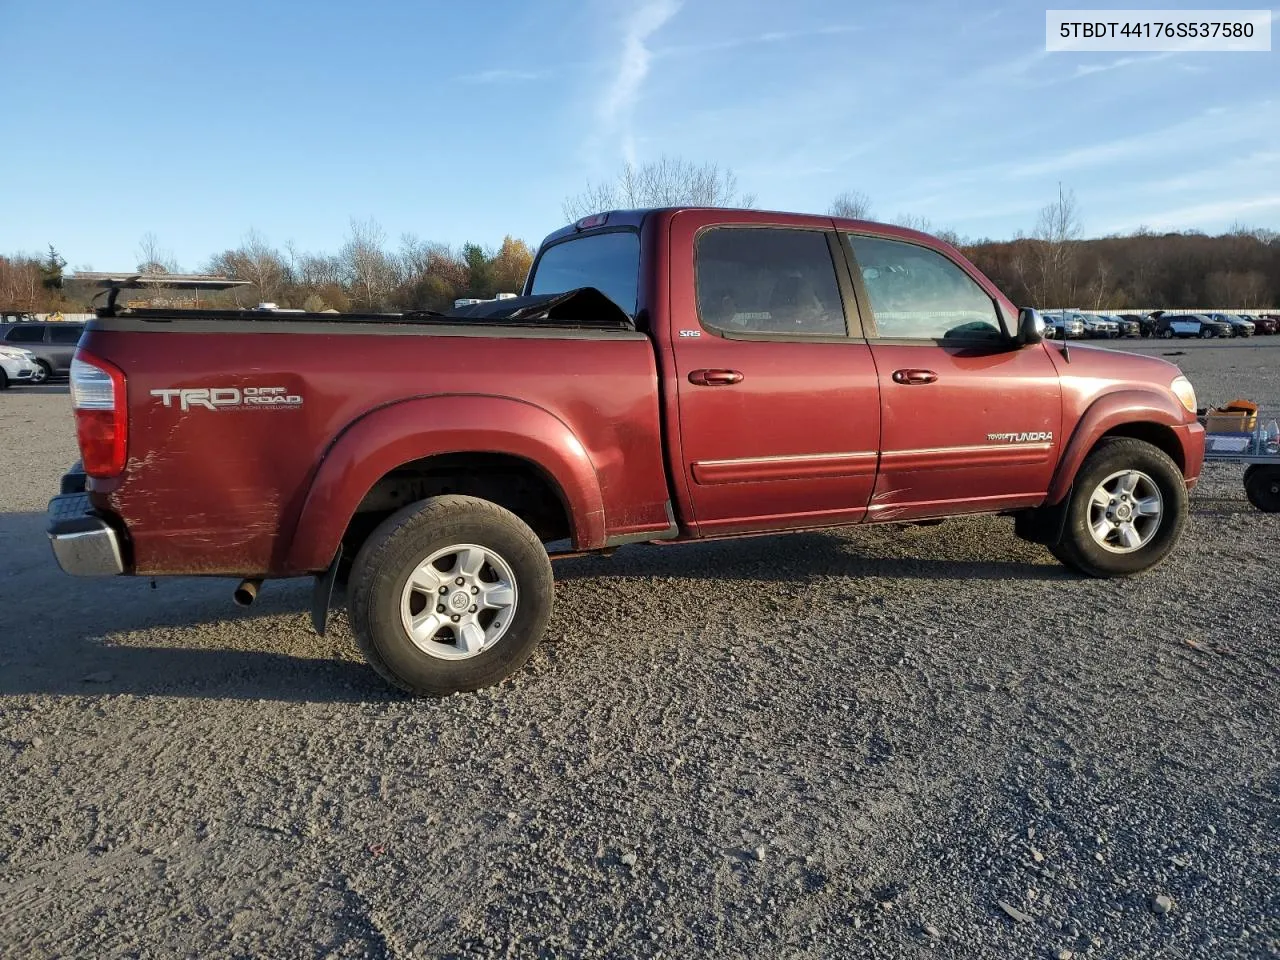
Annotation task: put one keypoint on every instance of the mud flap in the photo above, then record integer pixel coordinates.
(322, 594)
(1044, 524)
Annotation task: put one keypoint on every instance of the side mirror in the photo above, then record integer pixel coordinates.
(1030, 326)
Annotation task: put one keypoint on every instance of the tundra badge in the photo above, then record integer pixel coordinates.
(1021, 437)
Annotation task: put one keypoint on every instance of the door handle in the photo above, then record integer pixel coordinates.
(714, 378)
(910, 377)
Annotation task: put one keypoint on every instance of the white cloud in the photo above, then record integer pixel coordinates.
(502, 76)
(1086, 69)
(633, 66)
(733, 43)
(1201, 214)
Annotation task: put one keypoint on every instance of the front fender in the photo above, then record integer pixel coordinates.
(391, 436)
(1106, 413)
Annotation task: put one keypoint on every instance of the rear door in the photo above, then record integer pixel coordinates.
(777, 391)
(62, 340)
(969, 422)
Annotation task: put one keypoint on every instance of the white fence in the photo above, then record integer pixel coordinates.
(55, 317)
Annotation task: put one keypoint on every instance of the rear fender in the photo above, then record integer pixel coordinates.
(391, 436)
(1105, 414)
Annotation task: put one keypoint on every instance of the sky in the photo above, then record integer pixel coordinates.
(197, 122)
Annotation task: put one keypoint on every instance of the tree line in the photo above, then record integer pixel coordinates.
(1051, 266)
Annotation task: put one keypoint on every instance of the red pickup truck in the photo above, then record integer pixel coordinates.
(668, 375)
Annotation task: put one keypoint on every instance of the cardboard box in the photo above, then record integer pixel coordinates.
(1238, 416)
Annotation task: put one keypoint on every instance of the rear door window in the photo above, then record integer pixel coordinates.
(25, 334)
(65, 334)
(610, 262)
(918, 294)
(762, 280)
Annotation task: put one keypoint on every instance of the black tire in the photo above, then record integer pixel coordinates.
(4, 380)
(43, 375)
(1168, 333)
(397, 548)
(1207, 333)
(1080, 551)
(1262, 486)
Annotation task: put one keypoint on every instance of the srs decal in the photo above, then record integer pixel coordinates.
(221, 398)
(1021, 437)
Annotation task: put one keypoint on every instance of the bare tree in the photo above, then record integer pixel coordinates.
(1057, 230)
(851, 205)
(258, 262)
(154, 258)
(667, 182)
(370, 273)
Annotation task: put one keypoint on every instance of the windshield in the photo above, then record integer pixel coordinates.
(610, 262)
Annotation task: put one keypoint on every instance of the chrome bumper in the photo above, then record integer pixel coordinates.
(83, 544)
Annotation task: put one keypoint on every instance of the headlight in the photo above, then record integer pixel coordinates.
(1185, 392)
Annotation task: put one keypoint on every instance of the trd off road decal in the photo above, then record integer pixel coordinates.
(220, 398)
(1020, 437)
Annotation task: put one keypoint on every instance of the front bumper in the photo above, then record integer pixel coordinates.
(83, 543)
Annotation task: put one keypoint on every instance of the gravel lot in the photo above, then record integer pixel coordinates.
(930, 742)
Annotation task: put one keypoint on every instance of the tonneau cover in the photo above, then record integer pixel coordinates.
(585, 308)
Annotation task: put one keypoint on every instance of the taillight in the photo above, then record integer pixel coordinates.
(102, 420)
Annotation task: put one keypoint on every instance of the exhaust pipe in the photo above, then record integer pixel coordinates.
(247, 592)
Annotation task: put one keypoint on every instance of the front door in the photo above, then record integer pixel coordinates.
(970, 422)
(779, 406)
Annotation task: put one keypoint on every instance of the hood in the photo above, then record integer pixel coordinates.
(1111, 367)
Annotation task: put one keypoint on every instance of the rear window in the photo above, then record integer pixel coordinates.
(610, 262)
(65, 334)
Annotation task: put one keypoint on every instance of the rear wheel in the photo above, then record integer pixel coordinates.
(1128, 507)
(1262, 486)
(42, 372)
(451, 593)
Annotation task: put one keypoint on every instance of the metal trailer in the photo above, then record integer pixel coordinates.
(1258, 446)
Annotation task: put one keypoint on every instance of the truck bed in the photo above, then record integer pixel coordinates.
(227, 482)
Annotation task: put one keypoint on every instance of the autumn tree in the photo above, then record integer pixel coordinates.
(510, 265)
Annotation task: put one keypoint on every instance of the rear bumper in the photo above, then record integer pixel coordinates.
(83, 543)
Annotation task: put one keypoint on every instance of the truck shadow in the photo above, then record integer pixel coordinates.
(66, 636)
(855, 553)
(184, 639)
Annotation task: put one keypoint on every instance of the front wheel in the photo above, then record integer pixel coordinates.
(4, 380)
(1207, 334)
(1128, 508)
(451, 593)
(1262, 486)
(42, 373)
(1167, 334)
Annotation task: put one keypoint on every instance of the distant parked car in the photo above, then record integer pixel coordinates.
(1058, 327)
(1127, 327)
(1146, 322)
(1239, 326)
(52, 343)
(16, 366)
(1172, 325)
(1098, 326)
(1268, 323)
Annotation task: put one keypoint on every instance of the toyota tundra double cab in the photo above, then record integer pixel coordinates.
(667, 375)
